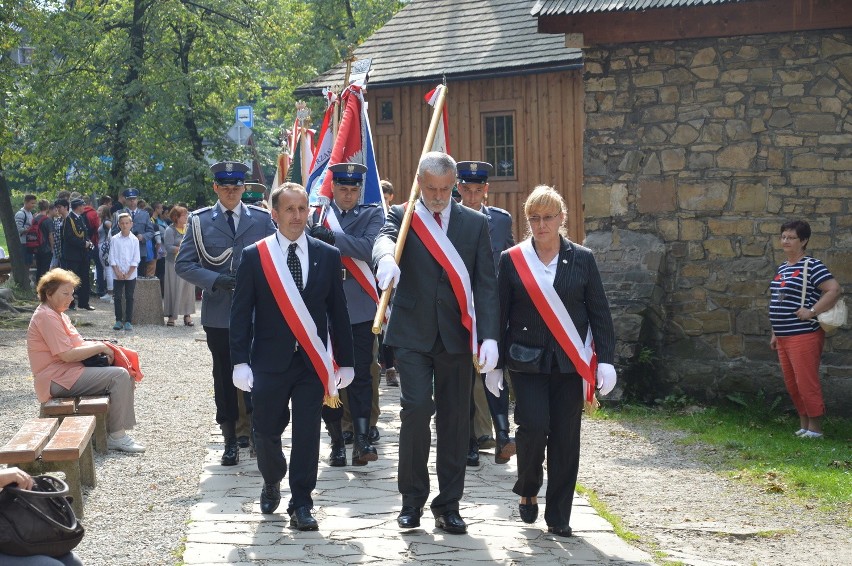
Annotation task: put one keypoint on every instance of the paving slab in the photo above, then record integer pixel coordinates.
(356, 508)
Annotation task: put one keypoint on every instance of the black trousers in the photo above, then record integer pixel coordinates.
(360, 392)
(548, 408)
(271, 395)
(448, 375)
(123, 290)
(81, 269)
(496, 405)
(224, 392)
(43, 260)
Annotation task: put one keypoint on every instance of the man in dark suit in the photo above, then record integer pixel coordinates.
(208, 258)
(353, 229)
(473, 188)
(273, 304)
(75, 250)
(431, 340)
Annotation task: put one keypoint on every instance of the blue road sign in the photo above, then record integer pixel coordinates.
(245, 114)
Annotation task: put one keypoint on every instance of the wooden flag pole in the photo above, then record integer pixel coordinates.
(409, 210)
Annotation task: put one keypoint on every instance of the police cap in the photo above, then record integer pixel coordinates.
(473, 171)
(348, 173)
(229, 172)
(131, 193)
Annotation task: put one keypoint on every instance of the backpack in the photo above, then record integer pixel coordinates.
(93, 222)
(34, 236)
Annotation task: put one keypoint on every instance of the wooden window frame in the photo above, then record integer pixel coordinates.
(490, 108)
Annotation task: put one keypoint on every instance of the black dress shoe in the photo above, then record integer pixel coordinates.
(301, 518)
(270, 497)
(451, 522)
(473, 453)
(505, 448)
(337, 456)
(374, 435)
(409, 517)
(560, 531)
(231, 455)
(88, 308)
(243, 441)
(528, 511)
(348, 436)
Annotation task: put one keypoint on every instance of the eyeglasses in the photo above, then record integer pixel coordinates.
(789, 238)
(539, 219)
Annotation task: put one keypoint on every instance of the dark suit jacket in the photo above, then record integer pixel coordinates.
(579, 285)
(424, 305)
(74, 237)
(268, 346)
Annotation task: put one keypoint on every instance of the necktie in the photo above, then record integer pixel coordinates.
(230, 214)
(343, 213)
(437, 216)
(133, 215)
(295, 265)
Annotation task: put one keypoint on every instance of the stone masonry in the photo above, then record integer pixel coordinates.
(695, 153)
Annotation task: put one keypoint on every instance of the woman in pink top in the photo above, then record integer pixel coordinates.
(56, 351)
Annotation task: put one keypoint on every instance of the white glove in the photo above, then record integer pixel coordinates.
(606, 378)
(387, 272)
(494, 381)
(343, 377)
(488, 355)
(243, 377)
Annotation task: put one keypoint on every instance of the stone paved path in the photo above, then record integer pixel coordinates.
(357, 507)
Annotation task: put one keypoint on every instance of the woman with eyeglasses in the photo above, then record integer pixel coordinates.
(796, 334)
(554, 314)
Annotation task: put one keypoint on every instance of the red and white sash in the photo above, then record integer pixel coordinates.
(296, 314)
(358, 268)
(444, 252)
(555, 315)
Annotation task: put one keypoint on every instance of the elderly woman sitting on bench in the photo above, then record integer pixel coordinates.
(56, 352)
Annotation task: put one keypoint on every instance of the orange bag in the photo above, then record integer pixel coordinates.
(127, 359)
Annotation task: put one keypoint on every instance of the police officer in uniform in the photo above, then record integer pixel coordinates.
(473, 191)
(75, 250)
(143, 227)
(361, 224)
(208, 258)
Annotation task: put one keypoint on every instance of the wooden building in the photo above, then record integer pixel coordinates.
(515, 97)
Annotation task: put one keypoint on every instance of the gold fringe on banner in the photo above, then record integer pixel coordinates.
(332, 401)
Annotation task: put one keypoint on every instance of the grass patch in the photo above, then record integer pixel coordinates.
(757, 445)
(602, 510)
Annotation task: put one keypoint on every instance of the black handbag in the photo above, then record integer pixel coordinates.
(97, 361)
(38, 522)
(525, 359)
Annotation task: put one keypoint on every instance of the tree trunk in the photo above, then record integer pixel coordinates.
(20, 271)
(132, 92)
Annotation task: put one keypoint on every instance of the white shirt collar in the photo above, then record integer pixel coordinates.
(445, 214)
(237, 211)
(284, 242)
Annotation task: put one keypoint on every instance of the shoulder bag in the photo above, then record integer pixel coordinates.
(40, 521)
(833, 318)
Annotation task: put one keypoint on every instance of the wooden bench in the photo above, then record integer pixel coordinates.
(44, 445)
(97, 405)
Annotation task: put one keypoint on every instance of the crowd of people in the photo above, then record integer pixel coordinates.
(70, 233)
(289, 298)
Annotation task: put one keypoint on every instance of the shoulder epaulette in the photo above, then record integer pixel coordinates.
(200, 210)
(259, 208)
(500, 210)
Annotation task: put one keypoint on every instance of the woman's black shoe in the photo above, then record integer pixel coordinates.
(528, 511)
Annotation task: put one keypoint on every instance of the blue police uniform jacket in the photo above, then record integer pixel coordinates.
(255, 224)
(500, 230)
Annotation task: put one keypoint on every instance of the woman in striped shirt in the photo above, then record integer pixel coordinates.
(796, 334)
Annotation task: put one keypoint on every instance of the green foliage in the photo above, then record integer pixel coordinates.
(142, 92)
(758, 446)
(641, 383)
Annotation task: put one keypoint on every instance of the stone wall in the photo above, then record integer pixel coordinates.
(707, 146)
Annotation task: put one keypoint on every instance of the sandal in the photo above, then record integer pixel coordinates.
(187, 321)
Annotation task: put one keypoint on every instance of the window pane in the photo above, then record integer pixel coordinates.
(386, 111)
(500, 144)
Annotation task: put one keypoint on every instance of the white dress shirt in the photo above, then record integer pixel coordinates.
(301, 252)
(445, 214)
(550, 269)
(124, 252)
